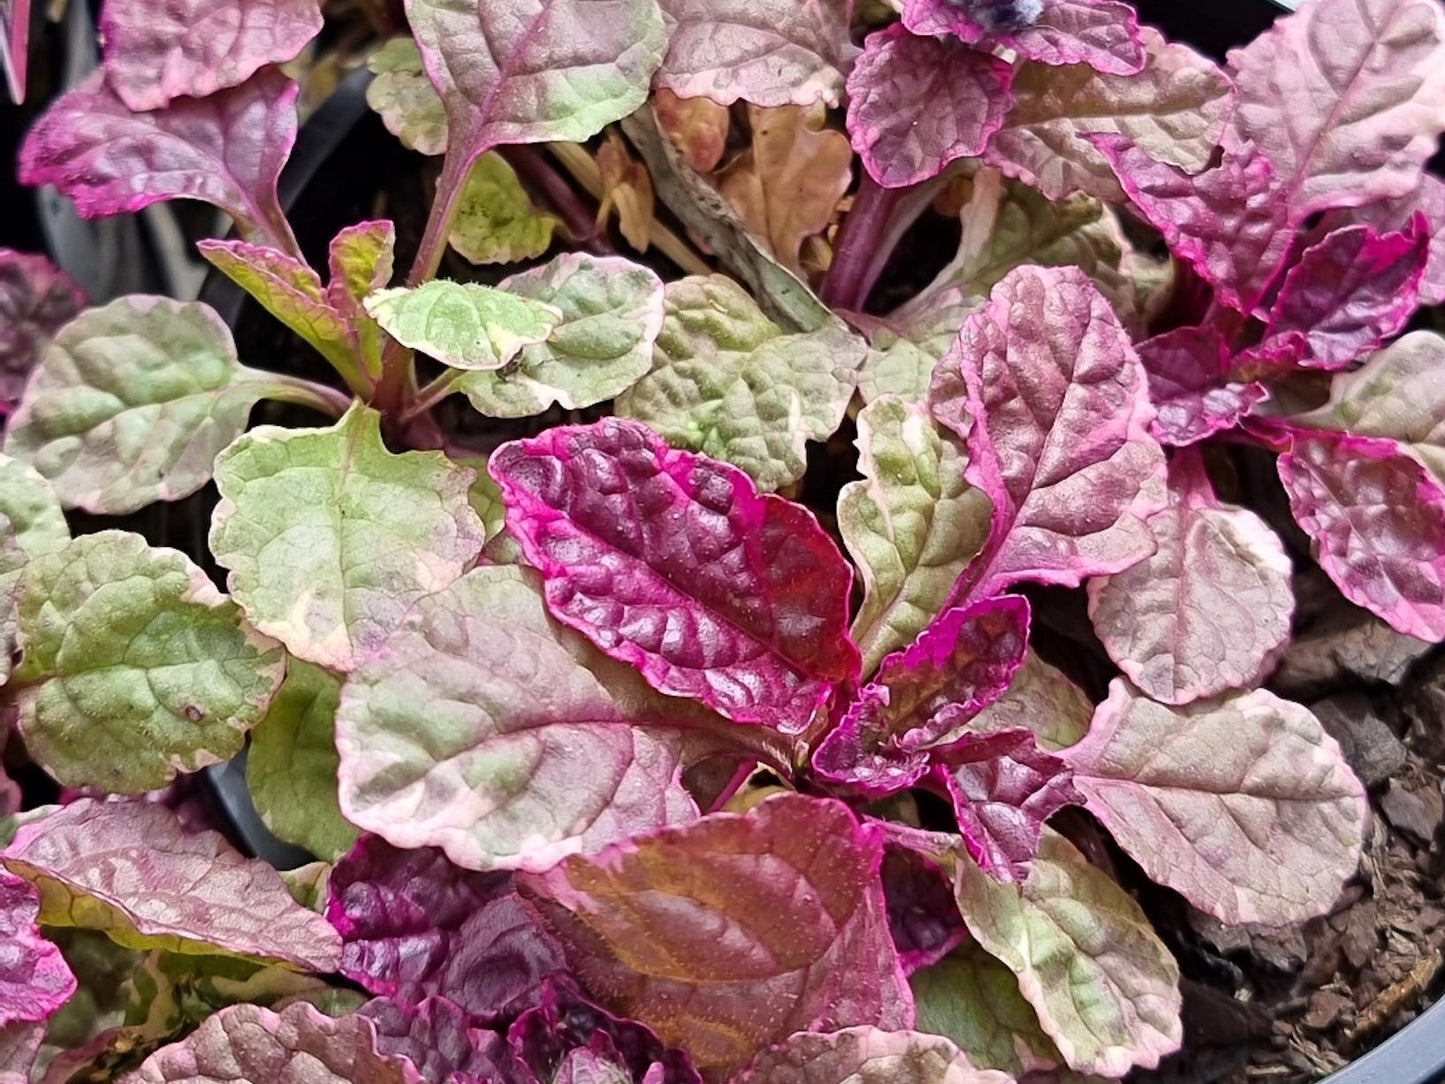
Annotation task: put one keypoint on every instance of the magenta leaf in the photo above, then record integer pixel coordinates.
(1004, 787)
(917, 103)
(866, 1055)
(415, 926)
(1352, 291)
(1103, 34)
(1396, 214)
(36, 301)
(19, 1043)
(1377, 518)
(921, 697)
(441, 1041)
(1243, 804)
(191, 48)
(1189, 381)
(674, 563)
(729, 934)
(923, 918)
(15, 45)
(226, 150)
(1045, 388)
(34, 978)
(1211, 610)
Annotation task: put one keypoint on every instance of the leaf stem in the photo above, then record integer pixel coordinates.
(450, 185)
(432, 394)
(538, 172)
(857, 261)
(284, 388)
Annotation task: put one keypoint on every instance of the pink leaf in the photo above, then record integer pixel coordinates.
(785, 52)
(1243, 804)
(1352, 291)
(735, 931)
(191, 48)
(1190, 385)
(34, 978)
(19, 1043)
(1345, 98)
(1396, 214)
(226, 150)
(441, 1041)
(923, 918)
(917, 103)
(15, 45)
(1377, 518)
(1210, 610)
(865, 1054)
(1103, 34)
(957, 667)
(1065, 452)
(36, 301)
(674, 563)
(1003, 789)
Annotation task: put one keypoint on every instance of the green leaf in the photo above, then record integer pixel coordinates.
(1042, 699)
(727, 382)
(134, 666)
(330, 538)
(903, 355)
(485, 497)
(495, 221)
(31, 525)
(463, 325)
(611, 317)
(409, 105)
(1104, 986)
(911, 525)
(132, 401)
(291, 765)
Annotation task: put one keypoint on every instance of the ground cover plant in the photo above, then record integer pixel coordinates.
(669, 743)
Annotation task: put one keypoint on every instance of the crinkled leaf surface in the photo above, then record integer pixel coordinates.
(911, 525)
(29, 503)
(1377, 518)
(246, 1044)
(866, 1055)
(731, 933)
(361, 259)
(611, 315)
(495, 221)
(727, 382)
(1345, 98)
(34, 978)
(1063, 449)
(132, 401)
(1210, 610)
(403, 95)
(462, 324)
(1040, 698)
(923, 918)
(1396, 214)
(1105, 988)
(1243, 804)
(155, 53)
(674, 563)
(131, 870)
(226, 149)
(1103, 34)
(36, 301)
(958, 665)
(488, 730)
(902, 355)
(415, 927)
(330, 538)
(1191, 386)
(292, 763)
(135, 667)
(18, 1042)
(1175, 109)
(770, 53)
(917, 103)
(440, 1040)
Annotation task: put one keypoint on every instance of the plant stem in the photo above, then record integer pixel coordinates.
(848, 281)
(538, 172)
(453, 180)
(432, 394)
(285, 388)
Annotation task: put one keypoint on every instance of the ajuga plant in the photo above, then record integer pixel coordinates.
(663, 745)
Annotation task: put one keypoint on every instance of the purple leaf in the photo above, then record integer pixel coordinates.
(1396, 214)
(1190, 385)
(1065, 452)
(226, 150)
(441, 1042)
(1042, 699)
(1211, 610)
(1243, 804)
(1352, 291)
(19, 1043)
(415, 926)
(917, 103)
(771, 54)
(866, 1055)
(1103, 34)
(733, 932)
(1345, 98)
(192, 48)
(674, 563)
(130, 869)
(15, 45)
(34, 978)
(36, 301)
(1377, 518)
(1003, 789)
(922, 696)
(923, 918)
